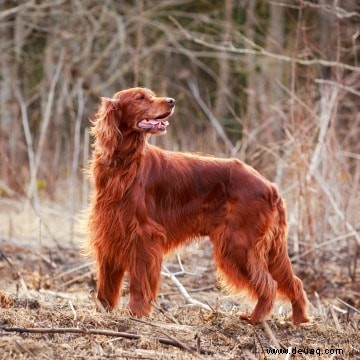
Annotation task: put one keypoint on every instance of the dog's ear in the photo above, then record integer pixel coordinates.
(105, 128)
(109, 104)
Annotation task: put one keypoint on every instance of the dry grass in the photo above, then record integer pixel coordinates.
(51, 290)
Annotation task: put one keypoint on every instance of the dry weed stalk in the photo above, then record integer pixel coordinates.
(54, 330)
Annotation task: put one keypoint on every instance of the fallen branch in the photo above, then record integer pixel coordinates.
(125, 335)
(193, 350)
(23, 330)
(183, 291)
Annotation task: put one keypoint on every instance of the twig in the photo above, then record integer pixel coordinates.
(198, 343)
(336, 320)
(73, 310)
(48, 261)
(340, 310)
(320, 307)
(15, 9)
(348, 305)
(162, 331)
(263, 52)
(192, 349)
(205, 288)
(23, 330)
(83, 331)
(23, 285)
(70, 271)
(80, 277)
(180, 263)
(213, 120)
(165, 313)
(183, 291)
(340, 86)
(350, 154)
(60, 295)
(271, 334)
(317, 247)
(331, 9)
(297, 98)
(258, 339)
(3, 256)
(24, 348)
(29, 4)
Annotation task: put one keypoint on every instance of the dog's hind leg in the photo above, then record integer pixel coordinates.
(242, 269)
(263, 285)
(290, 286)
(230, 252)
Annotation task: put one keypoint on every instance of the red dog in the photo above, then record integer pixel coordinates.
(148, 201)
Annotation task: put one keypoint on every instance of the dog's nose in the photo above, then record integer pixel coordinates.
(171, 101)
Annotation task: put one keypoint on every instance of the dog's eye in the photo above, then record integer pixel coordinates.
(140, 97)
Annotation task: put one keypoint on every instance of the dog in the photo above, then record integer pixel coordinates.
(147, 201)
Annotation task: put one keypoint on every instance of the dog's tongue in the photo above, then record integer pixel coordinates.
(152, 121)
(148, 123)
(153, 124)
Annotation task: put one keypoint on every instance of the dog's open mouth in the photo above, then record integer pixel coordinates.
(158, 124)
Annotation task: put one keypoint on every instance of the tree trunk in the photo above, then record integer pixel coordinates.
(221, 108)
(9, 110)
(250, 67)
(275, 44)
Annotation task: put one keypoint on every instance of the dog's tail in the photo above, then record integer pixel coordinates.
(281, 225)
(271, 239)
(274, 233)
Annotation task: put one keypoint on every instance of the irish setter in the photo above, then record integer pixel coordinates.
(148, 201)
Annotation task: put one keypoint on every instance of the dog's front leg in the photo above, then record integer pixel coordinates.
(110, 278)
(144, 275)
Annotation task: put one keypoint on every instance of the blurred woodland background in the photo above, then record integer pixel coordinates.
(275, 83)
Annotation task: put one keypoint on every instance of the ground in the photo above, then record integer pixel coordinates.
(48, 311)
(53, 289)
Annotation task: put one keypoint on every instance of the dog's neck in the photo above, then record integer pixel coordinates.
(128, 151)
(124, 165)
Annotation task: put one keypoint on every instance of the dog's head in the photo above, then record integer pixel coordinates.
(140, 110)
